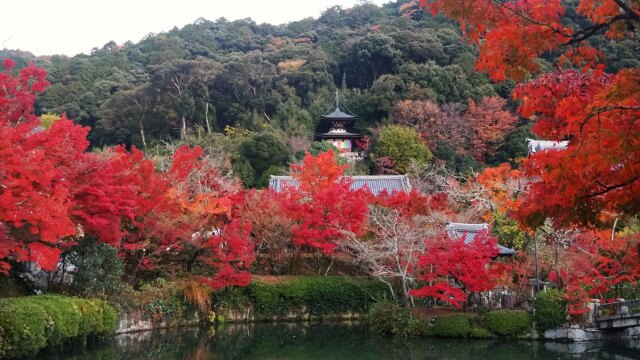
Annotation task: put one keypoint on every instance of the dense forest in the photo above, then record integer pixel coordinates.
(254, 93)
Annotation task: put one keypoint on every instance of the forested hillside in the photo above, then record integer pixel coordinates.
(256, 91)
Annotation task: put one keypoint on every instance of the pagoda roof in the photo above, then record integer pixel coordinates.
(469, 231)
(338, 135)
(375, 183)
(338, 114)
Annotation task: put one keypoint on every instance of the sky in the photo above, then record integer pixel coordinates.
(47, 27)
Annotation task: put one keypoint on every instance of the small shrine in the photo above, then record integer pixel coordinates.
(336, 125)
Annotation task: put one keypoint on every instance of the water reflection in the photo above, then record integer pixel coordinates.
(326, 341)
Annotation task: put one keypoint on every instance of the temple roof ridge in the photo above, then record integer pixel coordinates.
(469, 231)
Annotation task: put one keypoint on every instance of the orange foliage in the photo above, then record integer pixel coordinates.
(490, 123)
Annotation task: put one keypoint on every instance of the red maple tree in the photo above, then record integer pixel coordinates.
(53, 194)
(270, 229)
(599, 172)
(34, 173)
(452, 269)
(323, 206)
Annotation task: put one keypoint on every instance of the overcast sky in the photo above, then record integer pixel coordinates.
(46, 27)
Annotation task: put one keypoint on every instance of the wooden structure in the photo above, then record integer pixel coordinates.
(334, 128)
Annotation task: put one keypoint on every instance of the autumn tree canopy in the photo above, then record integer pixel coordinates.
(323, 206)
(595, 182)
(600, 171)
(53, 194)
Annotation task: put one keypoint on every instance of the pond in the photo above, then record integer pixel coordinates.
(334, 341)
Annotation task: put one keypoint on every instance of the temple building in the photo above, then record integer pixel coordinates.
(469, 231)
(375, 183)
(334, 128)
(535, 146)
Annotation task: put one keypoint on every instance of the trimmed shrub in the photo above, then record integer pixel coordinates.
(29, 324)
(549, 310)
(321, 296)
(453, 326)
(509, 322)
(388, 318)
(480, 333)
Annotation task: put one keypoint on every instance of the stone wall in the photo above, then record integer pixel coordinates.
(139, 320)
(297, 314)
(575, 333)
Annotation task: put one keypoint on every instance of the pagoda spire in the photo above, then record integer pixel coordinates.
(337, 101)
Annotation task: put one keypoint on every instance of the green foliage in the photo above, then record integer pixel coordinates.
(457, 163)
(634, 310)
(238, 72)
(243, 169)
(29, 324)
(513, 148)
(46, 120)
(453, 326)
(402, 145)
(264, 154)
(508, 231)
(480, 333)
(388, 318)
(235, 72)
(549, 309)
(160, 301)
(321, 296)
(100, 270)
(318, 147)
(509, 322)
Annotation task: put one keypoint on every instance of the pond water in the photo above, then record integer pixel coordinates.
(334, 341)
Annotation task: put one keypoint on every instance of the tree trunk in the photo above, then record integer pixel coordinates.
(144, 139)
(294, 261)
(329, 267)
(183, 128)
(557, 265)
(206, 117)
(405, 293)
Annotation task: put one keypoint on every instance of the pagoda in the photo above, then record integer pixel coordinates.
(336, 124)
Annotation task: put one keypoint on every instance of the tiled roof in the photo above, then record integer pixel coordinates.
(375, 183)
(470, 231)
(534, 146)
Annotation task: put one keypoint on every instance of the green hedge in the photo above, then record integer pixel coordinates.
(388, 318)
(320, 295)
(29, 324)
(550, 309)
(454, 325)
(509, 322)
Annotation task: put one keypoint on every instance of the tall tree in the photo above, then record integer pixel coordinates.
(401, 145)
(490, 123)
